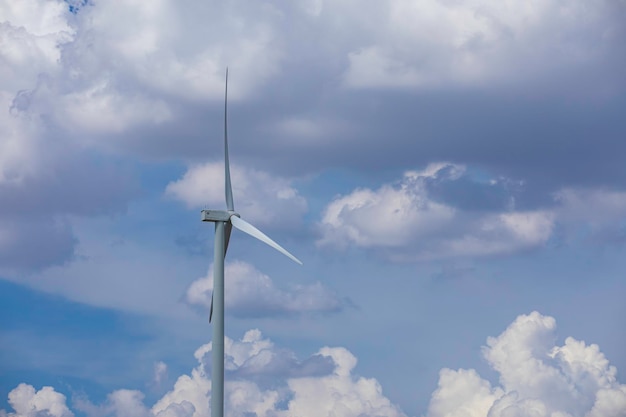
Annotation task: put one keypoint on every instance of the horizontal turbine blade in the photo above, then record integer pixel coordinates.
(246, 227)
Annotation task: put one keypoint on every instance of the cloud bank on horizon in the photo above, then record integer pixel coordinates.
(537, 378)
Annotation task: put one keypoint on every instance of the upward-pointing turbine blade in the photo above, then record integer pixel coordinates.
(246, 227)
(227, 186)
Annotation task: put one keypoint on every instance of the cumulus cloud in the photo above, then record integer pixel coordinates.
(32, 33)
(443, 212)
(319, 389)
(261, 198)
(536, 377)
(27, 402)
(173, 40)
(411, 221)
(322, 385)
(250, 293)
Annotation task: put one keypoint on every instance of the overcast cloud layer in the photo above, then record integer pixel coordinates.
(91, 79)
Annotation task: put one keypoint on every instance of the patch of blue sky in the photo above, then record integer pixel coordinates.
(48, 340)
(74, 6)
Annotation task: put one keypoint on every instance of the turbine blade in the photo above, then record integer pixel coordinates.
(227, 186)
(246, 227)
(211, 311)
(228, 228)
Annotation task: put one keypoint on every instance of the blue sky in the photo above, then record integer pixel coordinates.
(450, 173)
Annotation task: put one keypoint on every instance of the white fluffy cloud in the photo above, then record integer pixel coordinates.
(406, 220)
(43, 403)
(250, 293)
(418, 218)
(261, 198)
(333, 392)
(109, 70)
(31, 35)
(537, 378)
(322, 385)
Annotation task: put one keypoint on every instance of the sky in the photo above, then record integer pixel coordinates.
(451, 173)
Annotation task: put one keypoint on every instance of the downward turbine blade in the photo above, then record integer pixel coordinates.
(228, 228)
(246, 227)
(211, 311)
(227, 186)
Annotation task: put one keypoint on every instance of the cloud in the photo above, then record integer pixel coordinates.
(320, 390)
(433, 44)
(261, 198)
(323, 384)
(160, 373)
(327, 377)
(43, 403)
(250, 293)
(412, 220)
(32, 33)
(27, 244)
(444, 211)
(255, 358)
(42, 198)
(536, 378)
(339, 393)
(601, 213)
(160, 48)
(99, 79)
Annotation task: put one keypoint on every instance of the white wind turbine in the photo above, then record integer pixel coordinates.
(224, 221)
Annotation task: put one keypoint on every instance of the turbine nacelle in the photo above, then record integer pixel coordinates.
(217, 215)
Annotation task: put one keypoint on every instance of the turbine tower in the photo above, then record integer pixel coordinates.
(224, 221)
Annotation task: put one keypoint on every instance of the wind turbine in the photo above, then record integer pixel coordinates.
(224, 221)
